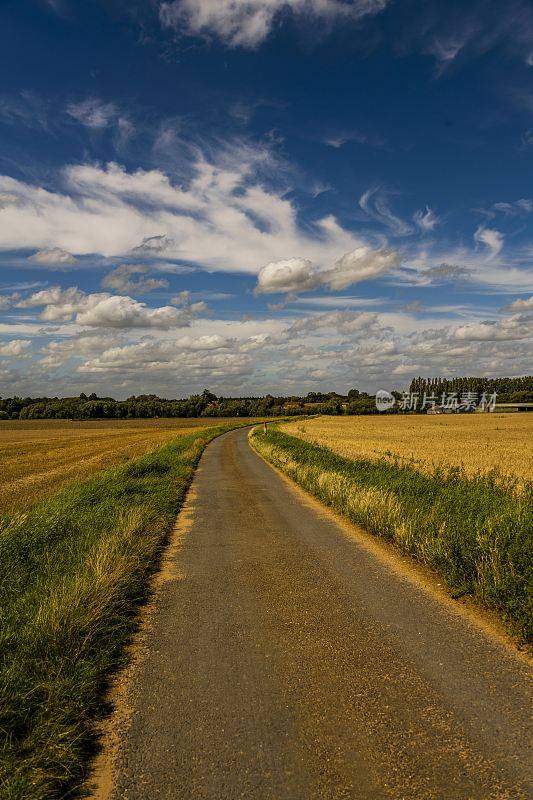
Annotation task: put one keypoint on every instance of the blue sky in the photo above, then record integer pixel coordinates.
(263, 195)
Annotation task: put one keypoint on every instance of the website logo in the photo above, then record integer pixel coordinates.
(384, 400)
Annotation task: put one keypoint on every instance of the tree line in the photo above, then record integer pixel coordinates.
(508, 390)
(207, 404)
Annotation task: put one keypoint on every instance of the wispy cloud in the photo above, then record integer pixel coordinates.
(93, 113)
(339, 301)
(25, 109)
(97, 115)
(133, 279)
(447, 273)
(375, 203)
(491, 238)
(247, 24)
(451, 32)
(339, 138)
(227, 212)
(426, 219)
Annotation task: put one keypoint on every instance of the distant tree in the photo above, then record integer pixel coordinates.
(362, 405)
(504, 387)
(208, 405)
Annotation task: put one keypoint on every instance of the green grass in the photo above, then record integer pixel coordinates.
(476, 532)
(74, 570)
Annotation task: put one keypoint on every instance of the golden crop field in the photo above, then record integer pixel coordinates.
(38, 457)
(477, 442)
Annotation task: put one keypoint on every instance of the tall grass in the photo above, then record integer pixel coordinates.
(73, 571)
(477, 532)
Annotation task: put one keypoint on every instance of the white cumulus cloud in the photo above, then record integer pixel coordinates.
(16, 347)
(125, 312)
(522, 305)
(104, 310)
(54, 256)
(287, 276)
(345, 322)
(59, 304)
(511, 328)
(360, 264)
(294, 275)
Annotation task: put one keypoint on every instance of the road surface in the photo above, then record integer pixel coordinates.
(287, 660)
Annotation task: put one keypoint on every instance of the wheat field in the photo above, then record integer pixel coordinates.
(477, 442)
(39, 457)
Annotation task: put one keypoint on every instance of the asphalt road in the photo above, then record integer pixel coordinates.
(287, 660)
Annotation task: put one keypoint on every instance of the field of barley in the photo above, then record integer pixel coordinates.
(477, 442)
(453, 492)
(39, 457)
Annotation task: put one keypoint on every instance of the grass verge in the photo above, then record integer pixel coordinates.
(74, 569)
(476, 532)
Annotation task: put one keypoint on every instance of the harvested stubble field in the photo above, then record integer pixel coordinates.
(75, 567)
(478, 443)
(39, 457)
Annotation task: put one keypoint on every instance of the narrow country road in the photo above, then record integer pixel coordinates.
(287, 660)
